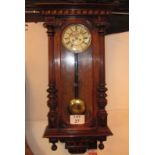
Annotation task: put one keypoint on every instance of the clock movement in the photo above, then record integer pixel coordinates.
(77, 86)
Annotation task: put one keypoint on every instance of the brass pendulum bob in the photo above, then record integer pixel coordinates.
(76, 105)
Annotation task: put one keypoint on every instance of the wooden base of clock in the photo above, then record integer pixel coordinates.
(78, 142)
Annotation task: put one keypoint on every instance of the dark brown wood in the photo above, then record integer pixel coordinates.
(119, 18)
(91, 75)
(65, 74)
(102, 25)
(78, 138)
(52, 96)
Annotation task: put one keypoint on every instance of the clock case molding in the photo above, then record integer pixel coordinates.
(56, 16)
(119, 17)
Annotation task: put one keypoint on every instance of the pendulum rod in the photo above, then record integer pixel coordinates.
(76, 76)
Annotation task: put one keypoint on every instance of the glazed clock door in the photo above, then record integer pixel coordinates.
(76, 75)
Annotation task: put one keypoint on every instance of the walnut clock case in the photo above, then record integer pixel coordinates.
(77, 88)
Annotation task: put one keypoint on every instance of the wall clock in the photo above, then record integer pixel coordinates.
(77, 88)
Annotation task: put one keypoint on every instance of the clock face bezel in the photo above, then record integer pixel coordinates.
(80, 36)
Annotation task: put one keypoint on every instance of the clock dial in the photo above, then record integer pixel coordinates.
(76, 38)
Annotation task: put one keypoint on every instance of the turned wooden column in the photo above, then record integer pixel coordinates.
(52, 91)
(102, 24)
